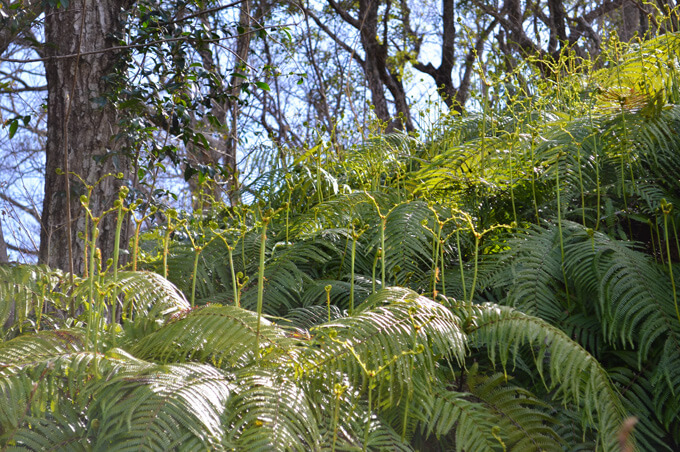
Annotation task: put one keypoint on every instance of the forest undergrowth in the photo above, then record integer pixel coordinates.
(504, 280)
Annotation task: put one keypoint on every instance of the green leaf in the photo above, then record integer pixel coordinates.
(13, 126)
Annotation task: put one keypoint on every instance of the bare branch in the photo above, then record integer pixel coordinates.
(347, 17)
(31, 211)
(334, 37)
(19, 250)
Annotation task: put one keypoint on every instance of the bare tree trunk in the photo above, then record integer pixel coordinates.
(368, 31)
(630, 21)
(80, 129)
(3, 247)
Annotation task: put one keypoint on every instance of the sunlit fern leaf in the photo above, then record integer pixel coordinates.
(378, 159)
(408, 244)
(357, 433)
(572, 372)
(269, 412)
(395, 334)
(160, 407)
(63, 431)
(342, 210)
(524, 422)
(26, 290)
(150, 294)
(382, 437)
(29, 349)
(309, 253)
(223, 336)
(310, 316)
(283, 285)
(649, 65)
(315, 292)
(656, 142)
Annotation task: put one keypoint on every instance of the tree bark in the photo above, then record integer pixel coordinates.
(368, 17)
(80, 129)
(3, 246)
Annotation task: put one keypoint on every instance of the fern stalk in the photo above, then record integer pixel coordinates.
(375, 265)
(116, 254)
(338, 390)
(194, 275)
(478, 237)
(559, 227)
(91, 312)
(171, 214)
(666, 209)
(460, 265)
(260, 281)
(234, 283)
(355, 236)
(328, 300)
(383, 225)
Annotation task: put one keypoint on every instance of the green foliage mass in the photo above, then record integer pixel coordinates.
(506, 283)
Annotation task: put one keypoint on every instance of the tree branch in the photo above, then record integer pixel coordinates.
(31, 211)
(347, 17)
(333, 36)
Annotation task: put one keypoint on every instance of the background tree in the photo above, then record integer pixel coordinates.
(187, 105)
(81, 129)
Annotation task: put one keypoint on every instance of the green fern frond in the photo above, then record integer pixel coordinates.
(310, 316)
(65, 430)
(283, 286)
(224, 336)
(408, 244)
(150, 294)
(160, 407)
(26, 350)
(269, 412)
(27, 291)
(572, 372)
(638, 395)
(315, 292)
(523, 421)
(395, 335)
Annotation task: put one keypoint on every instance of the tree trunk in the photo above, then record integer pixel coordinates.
(241, 54)
(368, 16)
(81, 126)
(3, 246)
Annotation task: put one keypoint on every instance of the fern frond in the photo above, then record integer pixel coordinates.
(468, 421)
(395, 335)
(27, 291)
(310, 316)
(224, 336)
(160, 407)
(574, 374)
(269, 412)
(523, 421)
(408, 244)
